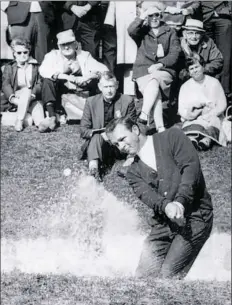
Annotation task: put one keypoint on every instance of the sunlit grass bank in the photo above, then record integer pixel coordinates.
(59, 232)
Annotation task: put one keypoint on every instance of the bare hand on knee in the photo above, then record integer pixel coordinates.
(154, 68)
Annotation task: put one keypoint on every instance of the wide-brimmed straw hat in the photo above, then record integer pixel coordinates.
(194, 24)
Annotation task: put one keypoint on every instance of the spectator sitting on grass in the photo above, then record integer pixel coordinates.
(194, 41)
(202, 102)
(22, 87)
(67, 70)
(98, 112)
(156, 60)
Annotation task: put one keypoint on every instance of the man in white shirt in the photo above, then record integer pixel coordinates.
(67, 70)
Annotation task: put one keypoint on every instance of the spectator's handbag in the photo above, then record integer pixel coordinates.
(226, 124)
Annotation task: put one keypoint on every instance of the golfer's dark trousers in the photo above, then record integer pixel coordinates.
(169, 251)
(220, 30)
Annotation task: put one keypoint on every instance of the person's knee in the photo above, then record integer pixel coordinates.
(48, 83)
(152, 86)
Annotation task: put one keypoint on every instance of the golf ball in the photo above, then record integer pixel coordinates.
(67, 172)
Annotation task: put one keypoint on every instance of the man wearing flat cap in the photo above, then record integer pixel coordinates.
(68, 69)
(195, 43)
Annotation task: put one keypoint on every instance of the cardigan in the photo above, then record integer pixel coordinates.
(180, 177)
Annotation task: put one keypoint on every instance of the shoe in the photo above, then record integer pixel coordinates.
(19, 125)
(96, 174)
(49, 123)
(52, 123)
(62, 119)
(204, 143)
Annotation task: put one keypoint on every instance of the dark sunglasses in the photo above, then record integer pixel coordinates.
(20, 52)
(155, 15)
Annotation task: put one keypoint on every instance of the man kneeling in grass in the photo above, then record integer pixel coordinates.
(98, 112)
(166, 175)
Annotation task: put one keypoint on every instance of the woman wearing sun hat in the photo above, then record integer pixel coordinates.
(156, 60)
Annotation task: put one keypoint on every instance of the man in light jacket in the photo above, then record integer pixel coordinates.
(68, 69)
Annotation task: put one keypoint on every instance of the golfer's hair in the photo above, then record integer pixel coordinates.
(20, 42)
(193, 60)
(107, 75)
(126, 121)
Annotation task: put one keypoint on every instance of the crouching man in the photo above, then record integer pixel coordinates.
(98, 112)
(67, 70)
(166, 175)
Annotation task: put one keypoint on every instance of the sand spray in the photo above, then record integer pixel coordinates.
(92, 233)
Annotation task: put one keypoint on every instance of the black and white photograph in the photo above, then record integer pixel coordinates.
(116, 152)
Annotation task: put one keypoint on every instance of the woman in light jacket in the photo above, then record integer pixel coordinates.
(202, 103)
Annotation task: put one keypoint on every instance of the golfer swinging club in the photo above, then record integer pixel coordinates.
(166, 175)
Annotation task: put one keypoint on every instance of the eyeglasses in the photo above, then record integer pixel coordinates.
(22, 52)
(67, 44)
(193, 33)
(157, 15)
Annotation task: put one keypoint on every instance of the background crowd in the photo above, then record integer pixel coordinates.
(147, 45)
(129, 70)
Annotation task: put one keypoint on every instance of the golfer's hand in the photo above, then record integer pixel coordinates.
(154, 68)
(175, 212)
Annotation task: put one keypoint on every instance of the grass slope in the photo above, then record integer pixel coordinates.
(32, 183)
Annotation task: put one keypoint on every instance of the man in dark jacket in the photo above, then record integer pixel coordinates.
(166, 175)
(218, 25)
(33, 21)
(84, 18)
(98, 112)
(156, 60)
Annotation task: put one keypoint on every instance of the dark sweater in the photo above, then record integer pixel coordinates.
(180, 177)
